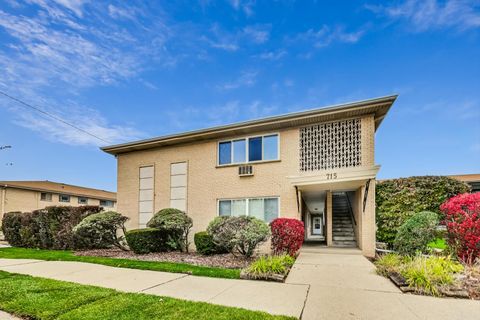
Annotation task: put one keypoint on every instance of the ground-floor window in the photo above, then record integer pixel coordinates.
(265, 209)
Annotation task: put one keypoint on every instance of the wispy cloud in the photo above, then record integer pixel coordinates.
(229, 112)
(423, 15)
(246, 79)
(244, 5)
(72, 45)
(257, 33)
(272, 55)
(232, 40)
(327, 35)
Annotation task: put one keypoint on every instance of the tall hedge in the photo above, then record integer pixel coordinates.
(398, 199)
(49, 228)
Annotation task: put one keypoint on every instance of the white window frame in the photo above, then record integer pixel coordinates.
(247, 202)
(247, 143)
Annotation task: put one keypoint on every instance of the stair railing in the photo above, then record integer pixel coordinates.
(350, 209)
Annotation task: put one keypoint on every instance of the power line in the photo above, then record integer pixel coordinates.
(51, 116)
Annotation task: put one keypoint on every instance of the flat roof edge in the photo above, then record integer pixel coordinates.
(117, 148)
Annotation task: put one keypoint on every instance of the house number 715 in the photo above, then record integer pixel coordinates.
(331, 176)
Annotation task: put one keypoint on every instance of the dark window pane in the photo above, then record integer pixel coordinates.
(255, 149)
(225, 153)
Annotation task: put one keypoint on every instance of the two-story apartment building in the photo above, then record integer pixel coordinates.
(27, 196)
(317, 166)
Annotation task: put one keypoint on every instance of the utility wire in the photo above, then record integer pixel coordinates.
(51, 116)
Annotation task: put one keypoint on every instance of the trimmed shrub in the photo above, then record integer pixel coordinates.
(176, 223)
(238, 234)
(462, 218)
(398, 199)
(147, 240)
(415, 234)
(100, 231)
(11, 224)
(205, 244)
(48, 228)
(287, 235)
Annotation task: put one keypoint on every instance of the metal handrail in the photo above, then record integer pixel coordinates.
(350, 209)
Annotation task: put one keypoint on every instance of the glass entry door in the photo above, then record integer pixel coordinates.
(317, 225)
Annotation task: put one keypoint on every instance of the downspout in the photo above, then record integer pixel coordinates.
(298, 201)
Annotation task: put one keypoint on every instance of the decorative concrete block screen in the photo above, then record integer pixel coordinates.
(331, 145)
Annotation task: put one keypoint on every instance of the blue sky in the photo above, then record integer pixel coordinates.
(130, 70)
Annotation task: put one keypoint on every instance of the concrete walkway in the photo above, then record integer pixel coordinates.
(274, 298)
(344, 285)
(324, 283)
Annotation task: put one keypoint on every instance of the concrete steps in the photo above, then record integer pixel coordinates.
(342, 225)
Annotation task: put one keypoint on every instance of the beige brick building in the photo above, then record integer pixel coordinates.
(317, 166)
(27, 196)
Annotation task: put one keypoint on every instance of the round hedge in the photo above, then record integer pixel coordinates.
(99, 231)
(147, 240)
(414, 235)
(398, 199)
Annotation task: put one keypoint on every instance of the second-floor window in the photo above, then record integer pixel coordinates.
(82, 200)
(251, 149)
(64, 198)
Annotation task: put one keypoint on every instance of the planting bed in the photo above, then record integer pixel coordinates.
(227, 260)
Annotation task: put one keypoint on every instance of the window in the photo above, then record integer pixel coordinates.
(255, 149)
(82, 200)
(261, 148)
(265, 209)
(146, 194)
(105, 203)
(64, 198)
(45, 196)
(178, 185)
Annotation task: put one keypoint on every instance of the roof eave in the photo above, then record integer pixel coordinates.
(210, 133)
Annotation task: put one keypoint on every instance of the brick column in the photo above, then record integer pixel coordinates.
(368, 222)
(329, 219)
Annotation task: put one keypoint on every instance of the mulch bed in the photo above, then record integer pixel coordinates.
(227, 260)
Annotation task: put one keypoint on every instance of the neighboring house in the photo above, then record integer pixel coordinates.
(471, 179)
(316, 165)
(31, 195)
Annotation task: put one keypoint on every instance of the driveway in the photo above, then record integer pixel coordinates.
(344, 285)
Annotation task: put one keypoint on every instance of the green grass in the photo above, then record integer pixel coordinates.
(438, 243)
(60, 255)
(45, 299)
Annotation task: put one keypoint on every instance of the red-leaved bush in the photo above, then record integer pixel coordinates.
(462, 218)
(287, 235)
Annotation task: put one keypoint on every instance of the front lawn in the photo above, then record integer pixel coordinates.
(40, 298)
(59, 255)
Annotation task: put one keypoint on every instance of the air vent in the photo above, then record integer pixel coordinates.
(244, 171)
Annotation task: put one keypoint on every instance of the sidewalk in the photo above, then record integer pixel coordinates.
(344, 285)
(274, 298)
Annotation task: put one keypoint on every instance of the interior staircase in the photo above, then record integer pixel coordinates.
(343, 229)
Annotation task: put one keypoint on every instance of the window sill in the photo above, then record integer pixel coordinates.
(246, 163)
